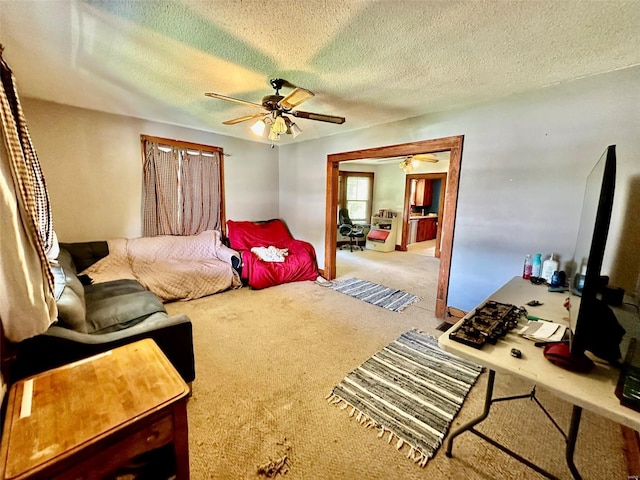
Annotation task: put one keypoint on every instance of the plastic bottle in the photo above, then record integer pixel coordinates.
(526, 271)
(549, 266)
(536, 265)
(578, 280)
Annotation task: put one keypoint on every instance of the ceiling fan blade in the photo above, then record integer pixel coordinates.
(296, 97)
(425, 157)
(244, 119)
(231, 99)
(318, 116)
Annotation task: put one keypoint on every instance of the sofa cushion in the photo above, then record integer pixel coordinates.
(71, 311)
(98, 291)
(69, 295)
(122, 311)
(85, 254)
(66, 260)
(118, 304)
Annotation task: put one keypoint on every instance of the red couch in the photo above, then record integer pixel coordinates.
(300, 264)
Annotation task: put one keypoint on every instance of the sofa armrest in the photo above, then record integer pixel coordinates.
(59, 345)
(227, 254)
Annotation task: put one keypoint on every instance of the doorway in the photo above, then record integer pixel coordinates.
(451, 144)
(432, 218)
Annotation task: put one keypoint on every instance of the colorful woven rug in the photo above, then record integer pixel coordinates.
(410, 392)
(389, 298)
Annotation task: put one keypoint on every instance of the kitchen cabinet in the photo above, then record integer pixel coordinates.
(427, 229)
(422, 193)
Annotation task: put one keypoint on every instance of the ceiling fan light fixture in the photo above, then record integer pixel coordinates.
(406, 165)
(258, 127)
(273, 136)
(279, 125)
(295, 130)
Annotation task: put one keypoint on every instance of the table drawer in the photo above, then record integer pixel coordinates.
(115, 455)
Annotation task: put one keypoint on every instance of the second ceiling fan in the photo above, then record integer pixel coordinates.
(274, 109)
(412, 161)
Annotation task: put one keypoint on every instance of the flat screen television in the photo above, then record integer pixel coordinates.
(595, 327)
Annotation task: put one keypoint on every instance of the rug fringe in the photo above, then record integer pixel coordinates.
(414, 454)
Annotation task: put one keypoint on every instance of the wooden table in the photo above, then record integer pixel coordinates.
(594, 391)
(87, 419)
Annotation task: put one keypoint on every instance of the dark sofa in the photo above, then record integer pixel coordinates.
(94, 318)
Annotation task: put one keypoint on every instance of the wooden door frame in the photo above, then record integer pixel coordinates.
(451, 144)
(442, 176)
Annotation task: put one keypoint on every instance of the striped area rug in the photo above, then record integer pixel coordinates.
(410, 391)
(389, 298)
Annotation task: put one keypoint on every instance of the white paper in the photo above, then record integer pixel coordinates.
(543, 331)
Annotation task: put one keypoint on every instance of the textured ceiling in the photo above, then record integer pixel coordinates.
(370, 61)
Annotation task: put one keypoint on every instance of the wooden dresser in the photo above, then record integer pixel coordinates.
(89, 419)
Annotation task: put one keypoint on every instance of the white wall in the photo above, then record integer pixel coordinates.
(524, 164)
(92, 164)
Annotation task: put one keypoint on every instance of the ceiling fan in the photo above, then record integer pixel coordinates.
(274, 109)
(410, 162)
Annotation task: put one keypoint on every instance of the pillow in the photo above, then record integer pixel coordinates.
(244, 235)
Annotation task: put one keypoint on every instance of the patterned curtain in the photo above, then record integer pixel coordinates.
(182, 190)
(161, 192)
(200, 180)
(27, 236)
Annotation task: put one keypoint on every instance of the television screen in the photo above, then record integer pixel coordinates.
(595, 327)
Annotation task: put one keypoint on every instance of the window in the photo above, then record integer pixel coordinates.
(183, 187)
(356, 195)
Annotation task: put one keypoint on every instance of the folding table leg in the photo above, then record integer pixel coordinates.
(475, 421)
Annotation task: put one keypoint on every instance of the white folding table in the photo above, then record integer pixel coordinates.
(594, 391)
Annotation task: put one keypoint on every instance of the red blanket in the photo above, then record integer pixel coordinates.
(300, 264)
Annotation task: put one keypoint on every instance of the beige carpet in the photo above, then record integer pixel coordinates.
(266, 360)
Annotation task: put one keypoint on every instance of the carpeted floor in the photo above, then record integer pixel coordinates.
(266, 360)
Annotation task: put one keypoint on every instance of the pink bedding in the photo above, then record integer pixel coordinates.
(300, 263)
(172, 267)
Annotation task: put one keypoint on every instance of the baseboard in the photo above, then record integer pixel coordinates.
(455, 313)
(631, 451)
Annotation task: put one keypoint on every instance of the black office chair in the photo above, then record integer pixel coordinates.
(348, 229)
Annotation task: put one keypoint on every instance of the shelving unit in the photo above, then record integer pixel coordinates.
(383, 223)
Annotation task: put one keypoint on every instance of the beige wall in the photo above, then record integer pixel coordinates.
(92, 165)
